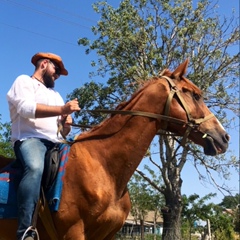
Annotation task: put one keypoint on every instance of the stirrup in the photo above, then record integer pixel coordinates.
(31, 228)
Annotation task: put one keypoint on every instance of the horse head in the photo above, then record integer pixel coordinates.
(185, 102)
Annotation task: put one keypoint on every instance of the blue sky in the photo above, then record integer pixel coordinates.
(31, 26)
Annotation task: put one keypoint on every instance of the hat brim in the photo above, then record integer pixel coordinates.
(52, 57)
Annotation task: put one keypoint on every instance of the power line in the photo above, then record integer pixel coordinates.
(47, 14)
(39, 34)
(63, 11)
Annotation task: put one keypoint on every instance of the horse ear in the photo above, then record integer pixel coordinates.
(180, 70)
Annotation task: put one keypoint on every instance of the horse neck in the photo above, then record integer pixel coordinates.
(122, 141)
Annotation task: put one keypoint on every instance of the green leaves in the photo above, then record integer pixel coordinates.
(230, 202)
(5, 140)
(144, 197)
(196, 209)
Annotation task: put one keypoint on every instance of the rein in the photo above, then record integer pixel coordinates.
(191, 124)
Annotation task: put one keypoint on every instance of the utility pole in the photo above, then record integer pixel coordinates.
(209, 230)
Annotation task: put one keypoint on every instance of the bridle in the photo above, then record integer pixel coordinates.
(191, 123)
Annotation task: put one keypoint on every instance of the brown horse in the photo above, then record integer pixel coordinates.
(95, 201)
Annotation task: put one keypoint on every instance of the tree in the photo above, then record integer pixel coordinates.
(237, 219)
(231, 202)
(145, 198)
(141, 37)
(5, 140)
(232, 205)
(195, 209)
(222, 224)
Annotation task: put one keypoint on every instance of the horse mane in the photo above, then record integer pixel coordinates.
(142, 86)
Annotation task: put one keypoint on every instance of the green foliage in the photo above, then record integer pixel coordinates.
(92, 95)
(144, 197)
(196, 209)
(236, 220)
(222, 224)
(140, 38)
(231, 202)
(152, 237)
(6, 148)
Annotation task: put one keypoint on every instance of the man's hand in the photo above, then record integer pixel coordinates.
(67, 120)
(65, 125)
(70, 107)
(43, 110)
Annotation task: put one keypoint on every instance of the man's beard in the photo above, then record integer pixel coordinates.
(47, 79)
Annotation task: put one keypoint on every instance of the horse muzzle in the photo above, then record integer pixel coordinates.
(214, 146)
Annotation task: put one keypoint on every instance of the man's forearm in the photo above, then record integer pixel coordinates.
(43, 111)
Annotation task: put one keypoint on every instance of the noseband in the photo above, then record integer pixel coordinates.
(191, 123)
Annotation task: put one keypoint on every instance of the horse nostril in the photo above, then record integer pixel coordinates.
(226, 138)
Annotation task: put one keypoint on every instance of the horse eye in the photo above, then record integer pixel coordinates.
(196, 96)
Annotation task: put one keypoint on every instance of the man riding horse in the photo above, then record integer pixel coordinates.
(35, 109)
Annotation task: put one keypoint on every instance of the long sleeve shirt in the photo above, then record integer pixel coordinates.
(23, 97)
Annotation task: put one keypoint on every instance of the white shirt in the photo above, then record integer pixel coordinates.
(22, 98)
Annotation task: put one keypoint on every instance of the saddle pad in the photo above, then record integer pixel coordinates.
(53, 195)
(9, 180)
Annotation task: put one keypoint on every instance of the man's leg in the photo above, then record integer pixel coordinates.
(31, 153)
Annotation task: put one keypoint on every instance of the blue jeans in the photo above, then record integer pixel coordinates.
(31, 153)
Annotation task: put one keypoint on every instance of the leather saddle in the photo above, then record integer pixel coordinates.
(52, 163)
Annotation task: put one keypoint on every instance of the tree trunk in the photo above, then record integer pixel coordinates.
(142, 229)
(171, 223)
(173, 209)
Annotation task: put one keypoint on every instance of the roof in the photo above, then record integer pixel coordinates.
(149, 218)
(132, 222)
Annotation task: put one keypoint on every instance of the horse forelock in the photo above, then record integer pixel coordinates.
(185, 82)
